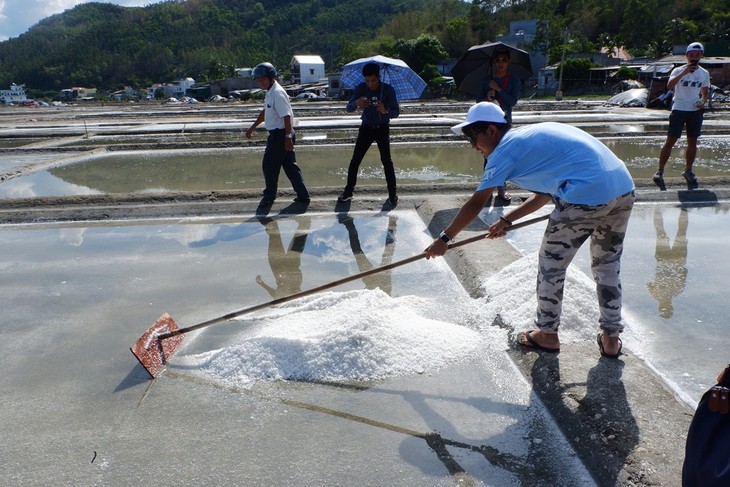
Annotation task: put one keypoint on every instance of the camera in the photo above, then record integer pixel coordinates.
(374, 100)
(694, 62)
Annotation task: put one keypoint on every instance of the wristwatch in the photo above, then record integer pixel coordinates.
(445, 238)
(290, 136)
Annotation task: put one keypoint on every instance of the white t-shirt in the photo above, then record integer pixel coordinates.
(687, 89)
(276, 107)
(559, 160)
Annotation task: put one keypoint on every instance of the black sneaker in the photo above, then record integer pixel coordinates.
(299, 199)
(265, 201)
(345, 196)
(393, 200)
(690, 177)
(658, 177)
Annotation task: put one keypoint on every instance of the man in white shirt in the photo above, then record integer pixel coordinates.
(278, 118)
(691, 85)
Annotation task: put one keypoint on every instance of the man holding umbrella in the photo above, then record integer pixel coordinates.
(494, 72)
(502, 88)
(379, 105)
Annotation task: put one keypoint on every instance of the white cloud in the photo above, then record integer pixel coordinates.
(17, 16)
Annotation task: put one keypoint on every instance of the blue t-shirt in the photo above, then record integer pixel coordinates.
(560, 160)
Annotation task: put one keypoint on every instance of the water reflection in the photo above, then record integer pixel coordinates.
(239, 169)
(285, 263)
(382, 280)
(671, 262)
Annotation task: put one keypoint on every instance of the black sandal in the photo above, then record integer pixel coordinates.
(603, 352)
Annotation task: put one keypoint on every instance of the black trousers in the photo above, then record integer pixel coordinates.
(365, 138)
(277, 157)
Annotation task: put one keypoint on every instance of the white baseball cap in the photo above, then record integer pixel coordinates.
(696, 46)
(481, 112)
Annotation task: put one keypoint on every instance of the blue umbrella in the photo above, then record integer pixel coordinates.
(406, 83)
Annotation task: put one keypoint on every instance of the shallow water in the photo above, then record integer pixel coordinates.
(118, 277)
(236, 169)
(674, 277)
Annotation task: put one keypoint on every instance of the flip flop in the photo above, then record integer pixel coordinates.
(603, 352)
(534, 344)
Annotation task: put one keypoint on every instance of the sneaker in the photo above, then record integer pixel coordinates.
(658, 177)
(690, 177)
(299, 199)
(393, 200)
(345, 196)
(265, 201)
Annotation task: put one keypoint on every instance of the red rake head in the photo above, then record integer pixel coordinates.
(153, 352)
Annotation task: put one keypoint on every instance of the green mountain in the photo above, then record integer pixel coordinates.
(108, 46)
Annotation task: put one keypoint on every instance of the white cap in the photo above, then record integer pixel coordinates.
(481, 112)
(696, 46)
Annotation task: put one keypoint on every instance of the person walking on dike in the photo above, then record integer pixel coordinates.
(278, 118)
(379, 105)
(504, 89)
(691, 85)
(593, 194)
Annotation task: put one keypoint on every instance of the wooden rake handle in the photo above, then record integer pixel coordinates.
(329, 285)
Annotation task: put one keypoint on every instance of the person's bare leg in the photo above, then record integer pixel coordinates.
(666, 152)
(690, 153)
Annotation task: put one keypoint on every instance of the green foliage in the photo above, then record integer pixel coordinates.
(419, 52)
(107, 46)
(429, 73)
(624, 73)
(576, 71)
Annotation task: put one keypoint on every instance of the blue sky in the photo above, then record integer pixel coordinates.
(17, 16)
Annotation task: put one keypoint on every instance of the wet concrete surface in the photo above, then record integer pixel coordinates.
(617, 419)
(571, 419)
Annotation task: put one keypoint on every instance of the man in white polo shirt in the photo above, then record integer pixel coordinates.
(691, 85)
(278, 119)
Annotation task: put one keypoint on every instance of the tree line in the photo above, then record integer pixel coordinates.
(107, 46)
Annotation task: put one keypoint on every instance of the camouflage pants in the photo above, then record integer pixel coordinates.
(568, 228)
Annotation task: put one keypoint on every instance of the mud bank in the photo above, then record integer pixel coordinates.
(324, 200)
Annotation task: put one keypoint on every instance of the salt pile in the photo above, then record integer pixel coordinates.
(369, 335)
(355, 335)
(511, 294)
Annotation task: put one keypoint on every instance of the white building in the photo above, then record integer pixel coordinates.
(16, 94)
(181, 86)
(177, 89)
(307, 69)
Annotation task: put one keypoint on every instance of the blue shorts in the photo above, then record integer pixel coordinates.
(678, 119)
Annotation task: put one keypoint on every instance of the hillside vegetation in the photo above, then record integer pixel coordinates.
(108, 46)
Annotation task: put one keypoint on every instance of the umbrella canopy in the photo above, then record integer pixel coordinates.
(406, 83)
(476, 64)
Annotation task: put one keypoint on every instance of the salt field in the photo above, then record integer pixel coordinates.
(409, 376)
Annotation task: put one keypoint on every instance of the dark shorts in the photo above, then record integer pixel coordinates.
(678, 119)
